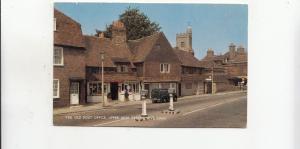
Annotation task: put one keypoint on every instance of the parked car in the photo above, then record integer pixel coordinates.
(161, 95)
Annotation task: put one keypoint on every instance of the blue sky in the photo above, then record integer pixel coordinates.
(214, 25)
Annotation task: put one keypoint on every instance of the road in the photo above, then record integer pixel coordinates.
(214, 111)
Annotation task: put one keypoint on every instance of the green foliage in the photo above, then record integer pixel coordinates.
(137, 24)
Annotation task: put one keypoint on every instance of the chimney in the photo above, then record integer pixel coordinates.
(231, 51)
(210, 52)
(118, 32)
(240, 49)
(101, 35)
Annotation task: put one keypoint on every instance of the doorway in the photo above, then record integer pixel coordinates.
(114, 90)
(74, 93)
(147, 87)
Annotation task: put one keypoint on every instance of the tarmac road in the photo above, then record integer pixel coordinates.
(221, 110)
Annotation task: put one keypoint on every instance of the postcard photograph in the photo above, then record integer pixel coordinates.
(150, 65)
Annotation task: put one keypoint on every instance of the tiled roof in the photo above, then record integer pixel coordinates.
(209, 64)
(94, 46)
(142, 47)
(113, 53)
(187, 59)
(68, 32)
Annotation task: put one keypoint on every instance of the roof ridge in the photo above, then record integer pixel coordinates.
(156, 37)
(145, 37)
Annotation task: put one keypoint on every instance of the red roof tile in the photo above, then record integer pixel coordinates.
(187, 59)
(68, 32)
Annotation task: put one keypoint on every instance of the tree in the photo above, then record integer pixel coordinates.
(137, 24)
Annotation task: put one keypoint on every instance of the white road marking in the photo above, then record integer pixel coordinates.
(107, 123)
(210, 106)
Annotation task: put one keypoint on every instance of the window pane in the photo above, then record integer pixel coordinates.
(137, 88)
(167, 65)
(54, 24)
(57, 55)
(55, 88)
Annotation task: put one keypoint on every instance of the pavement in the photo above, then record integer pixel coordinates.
(114, 104)
(205, 111)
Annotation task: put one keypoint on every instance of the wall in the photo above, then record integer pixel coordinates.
(192, 88)
(74, 66)
(237, 69)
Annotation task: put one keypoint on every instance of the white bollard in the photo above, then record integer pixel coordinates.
(144, 109)
(171, 107)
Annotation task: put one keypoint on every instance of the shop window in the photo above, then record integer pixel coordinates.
(95, 89)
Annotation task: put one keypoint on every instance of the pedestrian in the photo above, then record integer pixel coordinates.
(126, 94)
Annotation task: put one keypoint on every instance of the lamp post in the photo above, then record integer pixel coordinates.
(212, 79)
(102, 54)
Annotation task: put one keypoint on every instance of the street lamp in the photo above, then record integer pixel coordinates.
(212, 79)
(102, 54)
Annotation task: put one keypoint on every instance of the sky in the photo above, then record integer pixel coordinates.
(214, 25)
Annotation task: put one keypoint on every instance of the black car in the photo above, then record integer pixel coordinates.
(161, 95)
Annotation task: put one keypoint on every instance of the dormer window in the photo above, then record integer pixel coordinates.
(122, 68)
(54, 24)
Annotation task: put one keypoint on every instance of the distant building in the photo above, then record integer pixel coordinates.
(234, 63)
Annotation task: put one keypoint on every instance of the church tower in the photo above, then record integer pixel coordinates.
(184, 40)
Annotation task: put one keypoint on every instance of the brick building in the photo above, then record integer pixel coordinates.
(232, 67)
(129, 65)
(69, 61)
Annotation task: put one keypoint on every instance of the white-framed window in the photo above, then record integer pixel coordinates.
(172, 85)
(122, 68)
(165, 68)
(55, 88)
(58, 56)
(131, 87)
(95, 88)
(54, 24)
